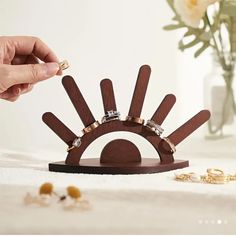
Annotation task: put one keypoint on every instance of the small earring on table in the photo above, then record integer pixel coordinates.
(77, 201)
(44, 197)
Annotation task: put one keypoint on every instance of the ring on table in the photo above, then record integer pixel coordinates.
(154, 127)
(111, 115)
(218, 179)
(232, 177)
(182, 177)
(215, 172)
(172, 146)
(91, 127)
(137, 120)
(75, 144)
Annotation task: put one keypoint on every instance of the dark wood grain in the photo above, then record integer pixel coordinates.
(108, 97)
(164, 152)
(121, 156)
(93, 166)
(59, 128)
(189, 127)
(78, 101)
(120, 151)
(139, 91)
(164, 108)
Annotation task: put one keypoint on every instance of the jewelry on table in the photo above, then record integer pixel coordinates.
(111, 115)
(213, 176)
(70, 201)
(154, 127)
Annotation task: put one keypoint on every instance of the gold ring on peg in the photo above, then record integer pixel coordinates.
(137, 120)
(91, 127)
(153, 126)
(76, 143)
(172, 146)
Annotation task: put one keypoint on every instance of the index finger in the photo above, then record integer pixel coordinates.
(26, 45)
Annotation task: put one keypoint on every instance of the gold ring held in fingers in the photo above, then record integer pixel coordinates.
(63, 65)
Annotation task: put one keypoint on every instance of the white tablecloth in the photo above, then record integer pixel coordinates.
(122, 204)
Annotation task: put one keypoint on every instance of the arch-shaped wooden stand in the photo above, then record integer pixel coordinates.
(120, 156)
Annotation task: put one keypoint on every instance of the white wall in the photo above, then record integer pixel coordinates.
(100, 39)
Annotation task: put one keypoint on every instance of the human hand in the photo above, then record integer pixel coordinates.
(19, 65)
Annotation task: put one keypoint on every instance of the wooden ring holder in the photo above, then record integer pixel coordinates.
(120, 156)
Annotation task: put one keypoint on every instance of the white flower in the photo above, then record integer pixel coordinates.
(192, 11)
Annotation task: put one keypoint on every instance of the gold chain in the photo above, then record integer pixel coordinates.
(213, 176)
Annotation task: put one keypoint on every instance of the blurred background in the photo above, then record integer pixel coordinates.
(100, 39)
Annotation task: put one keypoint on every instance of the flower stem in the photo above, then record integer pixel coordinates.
(221, 57)
(228, 77)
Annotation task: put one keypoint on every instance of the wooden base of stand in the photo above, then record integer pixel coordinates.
(93, 166)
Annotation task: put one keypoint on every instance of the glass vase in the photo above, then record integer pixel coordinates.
(219, 87)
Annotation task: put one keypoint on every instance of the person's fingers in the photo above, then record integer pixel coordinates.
(11, 94)
(12, 99)
(15, 90)
(31, 73)
(25, 88)
(23, 59)
(18, 60)
(26, 45)
(20, 89)
(31, 59)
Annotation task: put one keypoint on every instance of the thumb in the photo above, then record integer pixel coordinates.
(32, 73)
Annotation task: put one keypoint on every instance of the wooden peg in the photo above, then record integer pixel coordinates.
(78, 100)
(108, 97)
(139, 91)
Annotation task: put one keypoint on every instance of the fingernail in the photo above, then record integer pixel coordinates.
(17, 92)
(51, 69)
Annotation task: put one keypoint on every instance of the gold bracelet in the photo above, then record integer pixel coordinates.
(213, 176)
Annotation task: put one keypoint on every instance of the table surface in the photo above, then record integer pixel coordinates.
(122, 204)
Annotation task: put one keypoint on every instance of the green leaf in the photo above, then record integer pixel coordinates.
(177, 18)
(200, 35)
(188, 33)
(173, 27)
(183, 46)
(201, 49)
(171, 4)
(205, 36)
